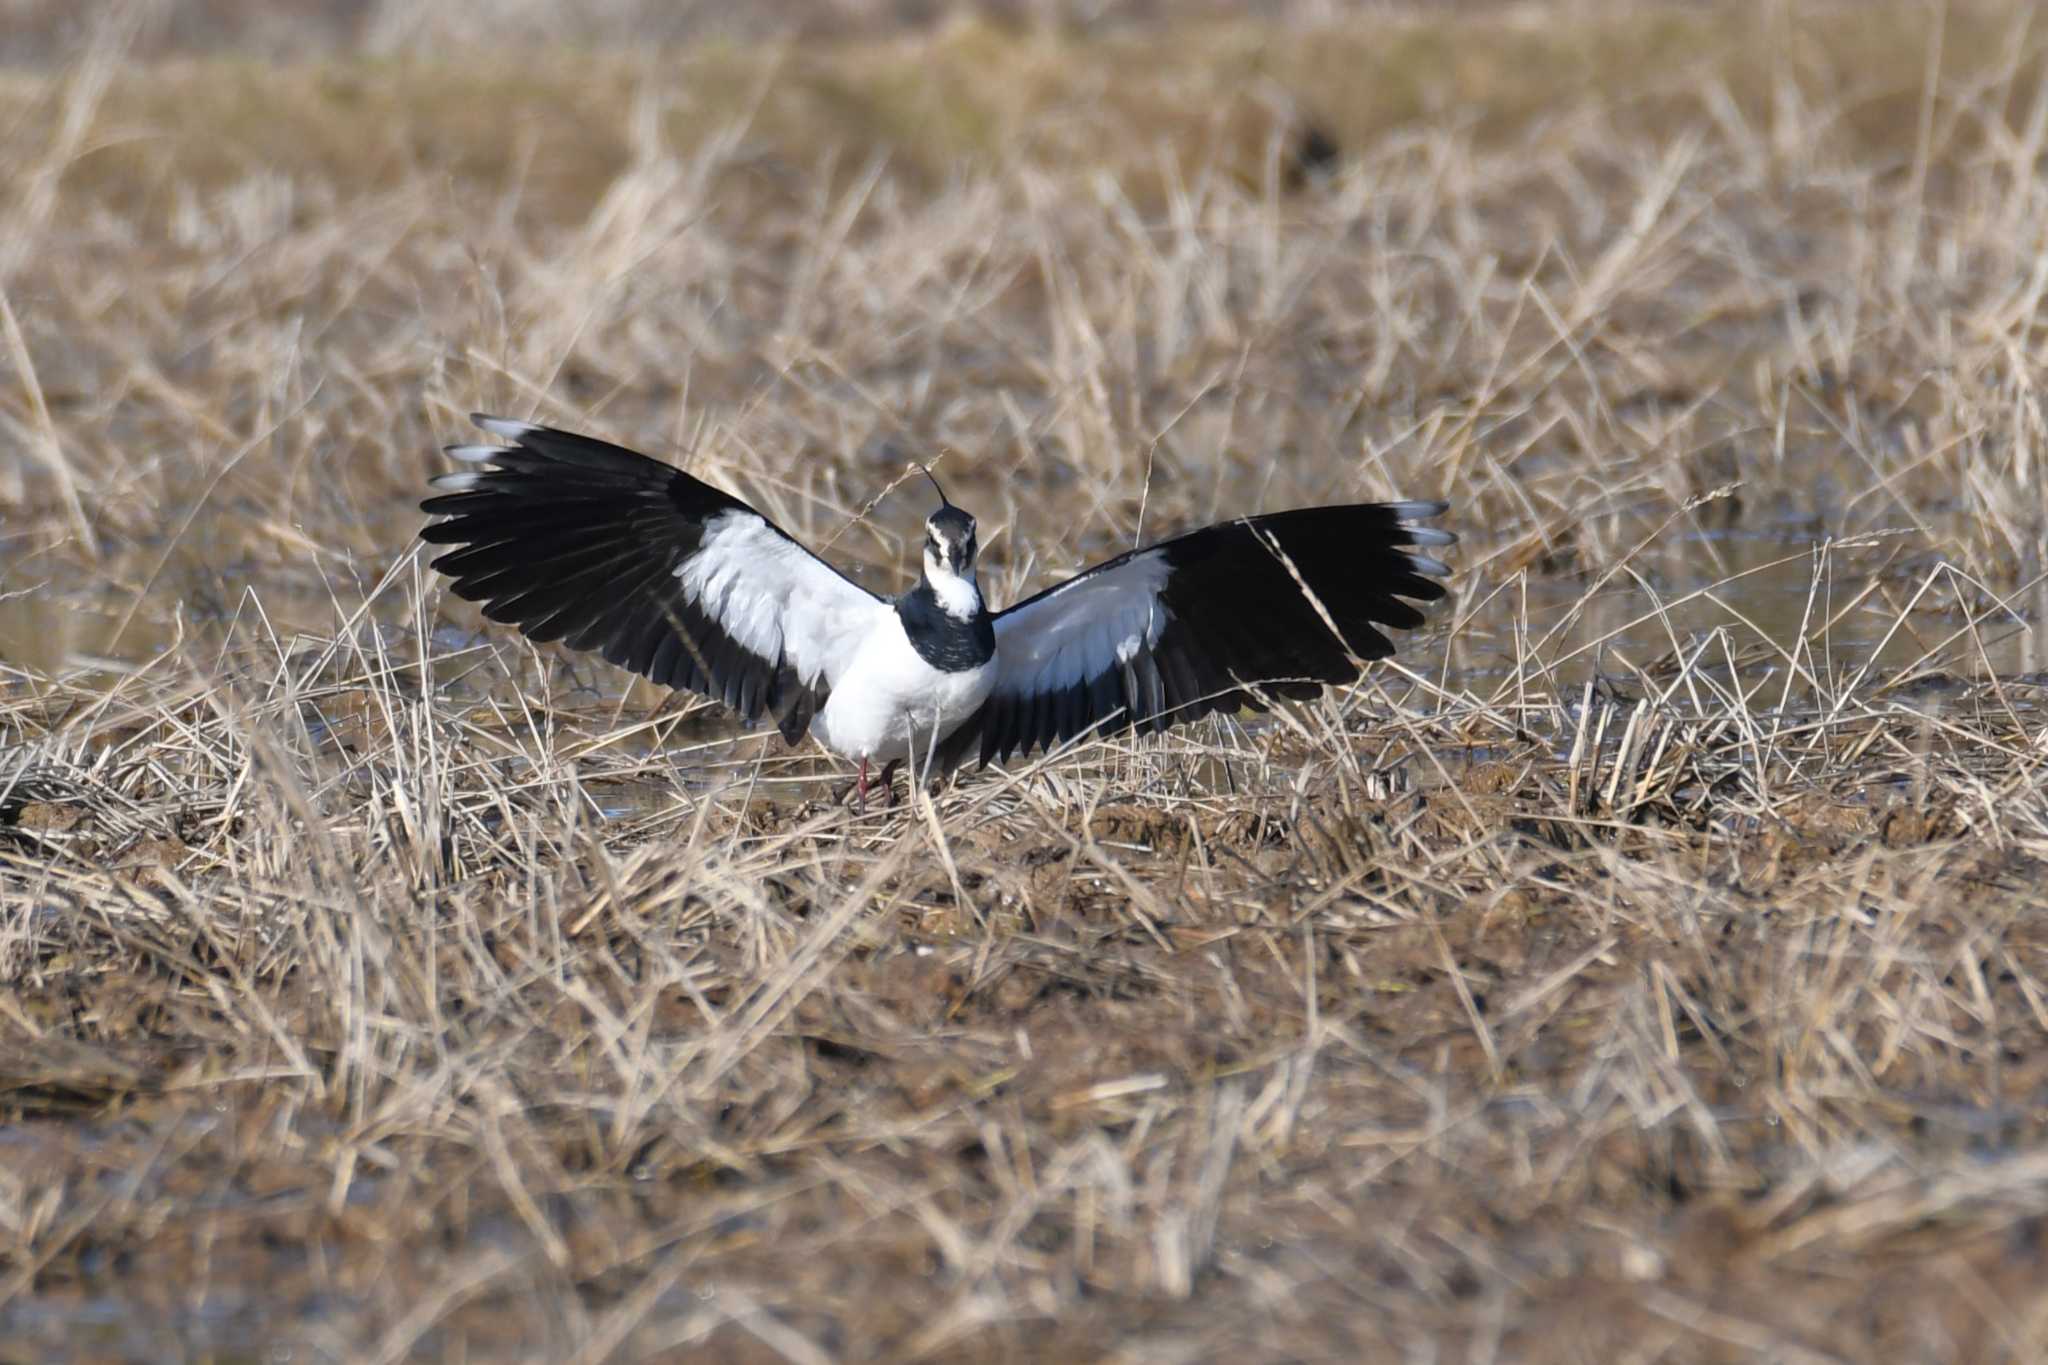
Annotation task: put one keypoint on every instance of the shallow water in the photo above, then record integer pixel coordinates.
(1751, 605)
(1748, 607)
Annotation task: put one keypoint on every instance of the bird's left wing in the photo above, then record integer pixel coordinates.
(1280, 605)
(574, 539)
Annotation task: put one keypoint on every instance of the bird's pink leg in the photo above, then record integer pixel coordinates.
(862, 787)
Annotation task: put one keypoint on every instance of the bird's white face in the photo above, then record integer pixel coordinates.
(949, 544)
(949, 548)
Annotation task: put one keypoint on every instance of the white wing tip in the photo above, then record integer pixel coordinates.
(462, 481)
(1421, 509)
(1429, 564)
(508, 427)
(474, 454)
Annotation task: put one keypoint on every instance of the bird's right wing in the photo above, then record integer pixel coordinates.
(573, 539)
(1281, 605)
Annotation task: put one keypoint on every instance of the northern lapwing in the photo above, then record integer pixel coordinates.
(574, 539)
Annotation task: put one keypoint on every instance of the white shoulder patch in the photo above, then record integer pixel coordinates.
(732, 578)
(1083, 627)
(776, 599)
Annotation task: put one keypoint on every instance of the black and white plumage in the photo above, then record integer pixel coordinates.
(573, 539)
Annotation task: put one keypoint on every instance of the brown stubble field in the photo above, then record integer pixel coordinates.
(1649, 964)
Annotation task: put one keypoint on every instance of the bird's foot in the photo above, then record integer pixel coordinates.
(856, 790)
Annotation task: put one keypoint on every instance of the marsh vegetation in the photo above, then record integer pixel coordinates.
(1650, 959)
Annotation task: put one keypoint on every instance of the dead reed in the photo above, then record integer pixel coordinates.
(1650, 962)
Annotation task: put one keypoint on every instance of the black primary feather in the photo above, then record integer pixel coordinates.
(575, 539)
(1248, 609)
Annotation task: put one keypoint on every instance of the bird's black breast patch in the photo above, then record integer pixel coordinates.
(941, 639)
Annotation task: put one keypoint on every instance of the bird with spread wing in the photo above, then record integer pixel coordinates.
(574, 539)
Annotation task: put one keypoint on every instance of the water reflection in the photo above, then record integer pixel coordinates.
(1749, 607)
(1744, 607)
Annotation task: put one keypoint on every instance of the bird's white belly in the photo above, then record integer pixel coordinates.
(889, 700)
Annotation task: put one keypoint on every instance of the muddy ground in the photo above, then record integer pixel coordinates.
(1647, 964)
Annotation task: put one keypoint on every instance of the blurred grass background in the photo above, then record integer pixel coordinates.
(1650, 959)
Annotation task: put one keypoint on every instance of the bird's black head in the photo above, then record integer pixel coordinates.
(949, 542)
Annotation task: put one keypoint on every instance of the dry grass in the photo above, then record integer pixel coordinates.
(1650, 965)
